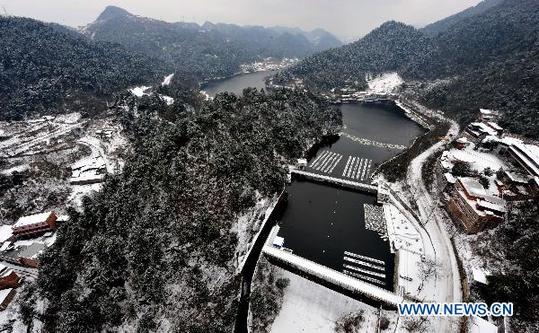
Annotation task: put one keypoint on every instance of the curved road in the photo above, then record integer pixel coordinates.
(448, 287)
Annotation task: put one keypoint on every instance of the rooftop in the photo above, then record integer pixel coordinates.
(32, 219)
(4, 294)
(529, 154)
(517, 177)
(472, 187)
(495, 126)
(450, 178)
(479, 275)
(487, 111)
(484, 128)
(491, 206)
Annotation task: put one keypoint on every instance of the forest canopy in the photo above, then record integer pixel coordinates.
(154, 248)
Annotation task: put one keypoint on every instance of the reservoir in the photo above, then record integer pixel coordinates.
(327, 224)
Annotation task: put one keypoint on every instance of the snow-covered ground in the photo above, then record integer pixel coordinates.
(310, 307)
(405, 238)
(169, 100)
(37, 135)
(139, 91)
(268, 64)
(447, 287)
(383, 84)
(17, 168)
(167, 80)
(249, 226)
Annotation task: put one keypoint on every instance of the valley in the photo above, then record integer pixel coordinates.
(196, 176)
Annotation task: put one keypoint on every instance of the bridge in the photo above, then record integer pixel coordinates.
(336, 181)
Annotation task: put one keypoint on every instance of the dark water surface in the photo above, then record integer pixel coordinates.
(237, 83)
(384, 122)
(321, 222)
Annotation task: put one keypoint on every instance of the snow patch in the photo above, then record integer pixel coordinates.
(167, 99)
(309, 307)
(167, 80)
(139, 91)
(383, 84)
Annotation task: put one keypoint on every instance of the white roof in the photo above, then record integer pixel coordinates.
(492, 206)
(473, 187)
(480, 325)
(6, 273)
(484, 128)
(4, 246)
(529, 154)
(507, 140)
(32, 219)
(495, 126)
(4, 293)
(446, 165)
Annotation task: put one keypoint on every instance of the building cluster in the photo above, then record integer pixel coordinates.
(268, 64)
(22, 243)
(351, 94)
(502, 169)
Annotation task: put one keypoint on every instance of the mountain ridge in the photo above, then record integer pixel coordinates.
(206, 51)
(464, 56)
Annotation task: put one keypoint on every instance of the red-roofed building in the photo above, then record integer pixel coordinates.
(8, 278)
(473, 207)
(34, 224)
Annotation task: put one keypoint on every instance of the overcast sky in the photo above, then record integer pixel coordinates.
(345, 18)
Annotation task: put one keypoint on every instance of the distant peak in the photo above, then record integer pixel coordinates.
(112, 12)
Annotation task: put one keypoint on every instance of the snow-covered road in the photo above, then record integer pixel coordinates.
(447, 279)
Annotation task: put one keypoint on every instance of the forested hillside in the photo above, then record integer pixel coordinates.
(207, 51)
(486, 60)
(390, 47)
(153, 250)
(49, 68)
(444, 24)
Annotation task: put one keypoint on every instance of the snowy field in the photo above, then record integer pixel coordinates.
(40, 135)
(310, 307)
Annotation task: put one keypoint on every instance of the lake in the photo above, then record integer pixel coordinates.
(236, 84)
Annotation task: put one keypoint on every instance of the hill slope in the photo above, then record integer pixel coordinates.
(444, 24)
(157, 249)
(44, 68)
(486, 60)
(389, 47)
(207, 51)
